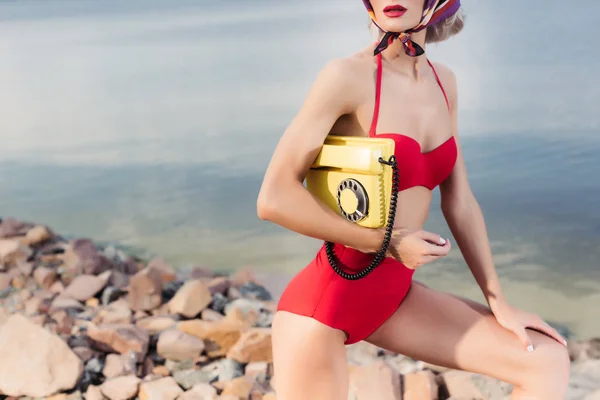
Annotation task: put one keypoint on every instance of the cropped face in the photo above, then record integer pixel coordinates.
(397, 15)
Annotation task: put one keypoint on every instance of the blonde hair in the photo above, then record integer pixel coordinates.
(446, 28)
(436, 33)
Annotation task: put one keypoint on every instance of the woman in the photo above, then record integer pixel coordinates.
(398, 91)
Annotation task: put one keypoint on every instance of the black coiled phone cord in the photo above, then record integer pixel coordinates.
(379, 257)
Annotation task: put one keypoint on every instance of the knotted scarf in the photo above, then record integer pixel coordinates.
(434, 11)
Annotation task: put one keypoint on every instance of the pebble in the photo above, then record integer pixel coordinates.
(110, 294)
(174, 344)
(145, 290)
(255, 291)
(132, 329)
(121, 388)
(190, 299)
(160, 389)
(219, 302)
(190, 377)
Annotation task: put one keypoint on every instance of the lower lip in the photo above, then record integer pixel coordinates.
(394, 13)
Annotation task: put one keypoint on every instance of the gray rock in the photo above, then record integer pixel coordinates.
(190, 377)
(583, 350)
(230, 369)
(169, 289)
(219, 301)
(87, 315)
(156, 358)
(265, 319)
(114, 254)
(255, 291)
(78, 341)
(585, 379)
(110, 294)
(175, 366)
(94, 365)
(363, 353)
(561, 328)
(404, 365)
(89, 378)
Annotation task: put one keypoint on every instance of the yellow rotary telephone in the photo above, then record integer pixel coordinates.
(349, 177)
(358, 178)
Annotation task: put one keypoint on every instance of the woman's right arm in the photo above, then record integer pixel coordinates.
(283, 199)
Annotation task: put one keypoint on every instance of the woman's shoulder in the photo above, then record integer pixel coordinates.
(345, 78)
(348, 68)
(444, 71)
(448, 80)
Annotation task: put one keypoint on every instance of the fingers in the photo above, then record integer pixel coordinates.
(523, 338)
(546, 329)
(519, 331)
(432, 237)
(433, 250)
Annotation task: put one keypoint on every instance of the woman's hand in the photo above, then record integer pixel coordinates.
(414, 248)
(517, 321)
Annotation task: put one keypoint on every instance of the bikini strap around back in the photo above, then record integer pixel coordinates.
(439, 83)
(377, 96)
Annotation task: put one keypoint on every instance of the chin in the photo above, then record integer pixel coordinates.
(397, 24)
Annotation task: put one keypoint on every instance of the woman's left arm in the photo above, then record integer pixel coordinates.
(466, 222)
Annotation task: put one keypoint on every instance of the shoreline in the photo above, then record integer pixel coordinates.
(78, 320)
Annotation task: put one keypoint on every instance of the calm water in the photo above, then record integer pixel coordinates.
(151, 123)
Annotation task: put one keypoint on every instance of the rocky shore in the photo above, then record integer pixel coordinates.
(78, 320)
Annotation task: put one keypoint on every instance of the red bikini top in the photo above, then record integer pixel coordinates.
(416, 168)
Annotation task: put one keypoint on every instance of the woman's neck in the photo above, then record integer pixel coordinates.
(395, 56)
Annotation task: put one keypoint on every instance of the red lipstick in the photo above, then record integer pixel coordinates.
(394, 11)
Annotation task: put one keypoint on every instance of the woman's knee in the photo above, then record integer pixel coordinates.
(547, 367)
(309, 359)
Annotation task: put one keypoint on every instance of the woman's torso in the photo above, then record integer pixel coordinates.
(414, 114)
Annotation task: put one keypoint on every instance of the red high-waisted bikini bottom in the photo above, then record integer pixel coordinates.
(356, 307)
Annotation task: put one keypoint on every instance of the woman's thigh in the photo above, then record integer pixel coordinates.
(453, 332)
(309, 359)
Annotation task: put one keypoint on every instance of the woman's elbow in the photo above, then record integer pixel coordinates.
(274, 198)
(266, 203)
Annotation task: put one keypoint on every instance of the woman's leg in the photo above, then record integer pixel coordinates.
(449, 331)
(309, 359)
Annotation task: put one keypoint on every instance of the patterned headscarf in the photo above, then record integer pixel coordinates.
(434, 11)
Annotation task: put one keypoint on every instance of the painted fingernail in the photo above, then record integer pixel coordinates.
(442, 241)
(530, 348)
